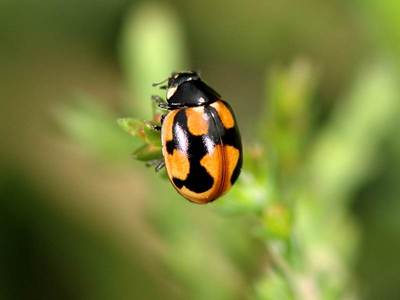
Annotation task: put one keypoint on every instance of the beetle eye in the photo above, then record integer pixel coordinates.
(171, 91)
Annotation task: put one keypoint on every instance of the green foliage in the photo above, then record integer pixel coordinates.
(93, 126)
(274, 286)
(143, 130)
(148, 29)
(297, 179)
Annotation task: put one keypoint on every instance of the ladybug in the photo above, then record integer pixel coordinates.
(201, 143)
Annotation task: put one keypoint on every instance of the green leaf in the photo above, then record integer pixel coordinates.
(89, 123)
(132, 126)
(152, 136)
(148, 152)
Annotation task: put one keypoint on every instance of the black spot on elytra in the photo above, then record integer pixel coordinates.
(198, 180)
(236, 171)
(232, 138)
(170, 147)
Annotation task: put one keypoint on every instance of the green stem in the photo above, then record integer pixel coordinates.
(303, 287)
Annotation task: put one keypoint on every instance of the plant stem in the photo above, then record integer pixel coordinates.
(303, 287)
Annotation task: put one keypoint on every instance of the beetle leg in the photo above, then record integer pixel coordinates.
(164, 105)
(158, 164)
(157, 99)
(162, 118)
(160, 102)
(156, 127)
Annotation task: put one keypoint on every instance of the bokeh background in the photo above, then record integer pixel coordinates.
(81, 219)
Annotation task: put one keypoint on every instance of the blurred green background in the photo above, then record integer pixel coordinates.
(80, 219)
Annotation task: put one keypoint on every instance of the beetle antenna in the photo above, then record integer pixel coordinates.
(161, 82)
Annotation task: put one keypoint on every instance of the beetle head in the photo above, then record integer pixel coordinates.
(185, 89)
(178, 78)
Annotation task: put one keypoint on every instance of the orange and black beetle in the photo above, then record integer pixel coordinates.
(201, 143)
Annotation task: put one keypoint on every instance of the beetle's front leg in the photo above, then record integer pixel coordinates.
(156, 128)
(158, 164)
(160, 102)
